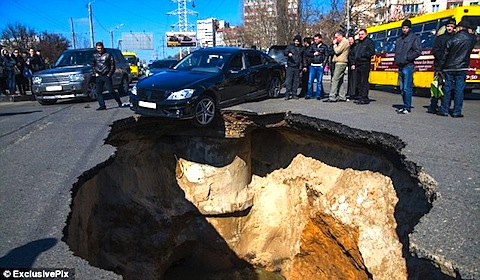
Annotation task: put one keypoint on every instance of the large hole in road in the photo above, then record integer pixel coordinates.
(276, 196)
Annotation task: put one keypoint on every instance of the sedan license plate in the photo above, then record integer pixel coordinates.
(150, 105)
(53, 88)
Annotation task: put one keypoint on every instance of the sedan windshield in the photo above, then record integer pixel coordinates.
(75, 58)
(203, 62)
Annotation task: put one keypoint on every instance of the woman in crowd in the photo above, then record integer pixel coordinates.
(20, 80)
(9, 63)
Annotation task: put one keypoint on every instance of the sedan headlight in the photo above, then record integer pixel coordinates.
(36, 80)
(181, 94)
(134, 90)
(76, 77)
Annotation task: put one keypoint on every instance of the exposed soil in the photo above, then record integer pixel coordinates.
(252, 197)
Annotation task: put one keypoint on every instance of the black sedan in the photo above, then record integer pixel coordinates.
(205, 81)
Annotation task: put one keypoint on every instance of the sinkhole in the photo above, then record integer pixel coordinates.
(274, 196)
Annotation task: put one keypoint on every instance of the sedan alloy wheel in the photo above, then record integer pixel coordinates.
(205, 111)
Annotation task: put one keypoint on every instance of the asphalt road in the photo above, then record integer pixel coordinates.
(43, 149)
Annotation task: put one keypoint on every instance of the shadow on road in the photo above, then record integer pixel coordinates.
(25, 256)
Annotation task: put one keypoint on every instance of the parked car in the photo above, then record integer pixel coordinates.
(71, 77)
(160, 65)
(205, 81)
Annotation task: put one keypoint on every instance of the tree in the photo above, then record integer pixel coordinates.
(52, 45)
(19, 36)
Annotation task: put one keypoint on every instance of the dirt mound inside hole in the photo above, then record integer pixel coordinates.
(253, 197)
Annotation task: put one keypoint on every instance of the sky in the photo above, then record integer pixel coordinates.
(118, 16)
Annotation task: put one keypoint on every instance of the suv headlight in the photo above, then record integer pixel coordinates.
(76, 77)
(36, 80)
(181, 94)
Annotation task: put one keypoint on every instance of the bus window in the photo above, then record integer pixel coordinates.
(390, 44)
(417, 28)
(380, 35)
(378, 46)
(393, 33)
(426, 39)
(430, 26)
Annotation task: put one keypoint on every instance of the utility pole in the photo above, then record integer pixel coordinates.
(348, 17)
(90, 19)
(73, 34)
(182, 12)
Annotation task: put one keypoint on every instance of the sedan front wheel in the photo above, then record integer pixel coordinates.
(274, 88)
(205, 111)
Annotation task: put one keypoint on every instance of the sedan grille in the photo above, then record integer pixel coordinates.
(152, 94)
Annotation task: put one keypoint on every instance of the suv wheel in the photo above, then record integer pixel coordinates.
(205, 111)
(92, 90)
(274, 88)
(124, 86)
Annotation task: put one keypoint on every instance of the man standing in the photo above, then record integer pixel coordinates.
(103, 69)
(363, 52)
(454, 63)
(294, 54)
(407, 49)
(340, 59)
(438, 49)
(317, 53)
(307, 41)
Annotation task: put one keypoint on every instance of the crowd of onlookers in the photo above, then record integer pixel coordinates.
(353, 55)
(17, 68)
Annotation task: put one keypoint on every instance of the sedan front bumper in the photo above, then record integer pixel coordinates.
(181, 109)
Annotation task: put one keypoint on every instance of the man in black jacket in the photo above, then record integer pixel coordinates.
(407, 49)
(317, 53)
(454, 63)
(103, 69)
(295, 61)
(438, 49)
(363, 52)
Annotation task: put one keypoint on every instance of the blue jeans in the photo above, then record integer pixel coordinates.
(11, 81)
(316, 72)
(454, 80)
(405, 81)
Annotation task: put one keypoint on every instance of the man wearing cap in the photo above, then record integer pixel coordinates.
(295, 61)
(438, 49)
(454, 64)
(407, 49)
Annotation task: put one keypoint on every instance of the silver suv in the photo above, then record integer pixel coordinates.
(71, 77)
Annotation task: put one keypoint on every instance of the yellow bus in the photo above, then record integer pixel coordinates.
(427, 27)
(133, 60)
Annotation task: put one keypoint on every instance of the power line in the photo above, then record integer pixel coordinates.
(41, 15)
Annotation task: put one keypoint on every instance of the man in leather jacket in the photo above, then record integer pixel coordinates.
(317, 53)
(407, 49)
(438, 50)
(363, 51)
(295, 62)
(454, 63)
(103, 69)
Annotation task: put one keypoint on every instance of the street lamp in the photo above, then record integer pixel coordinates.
(111, 32)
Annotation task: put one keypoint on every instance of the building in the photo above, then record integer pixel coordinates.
(270, 22)
(383, 11)
(206, 30)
